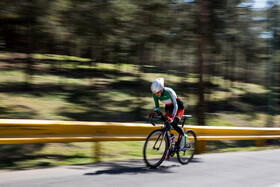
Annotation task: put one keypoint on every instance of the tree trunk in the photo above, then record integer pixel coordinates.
(29, 62)
(201, 102)
(203, 42)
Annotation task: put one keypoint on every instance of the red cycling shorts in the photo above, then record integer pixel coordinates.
(179, 114)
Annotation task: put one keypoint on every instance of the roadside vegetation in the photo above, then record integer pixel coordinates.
(72, 88)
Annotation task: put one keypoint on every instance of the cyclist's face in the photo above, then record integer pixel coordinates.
(158, 93)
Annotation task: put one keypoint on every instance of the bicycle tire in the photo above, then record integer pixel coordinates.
(154, 157)
(184, 156)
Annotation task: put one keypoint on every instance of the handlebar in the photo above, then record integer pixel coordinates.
(160, 116)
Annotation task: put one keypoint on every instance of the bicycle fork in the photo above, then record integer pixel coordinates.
(163, 136)
(170, 149)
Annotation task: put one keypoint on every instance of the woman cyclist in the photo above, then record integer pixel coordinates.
(174, 107)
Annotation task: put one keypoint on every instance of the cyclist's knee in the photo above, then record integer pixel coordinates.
(175, 126)
(175, 122)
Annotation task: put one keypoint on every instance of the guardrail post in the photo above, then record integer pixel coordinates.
(200, 147)
(260, 143)
(96, 151)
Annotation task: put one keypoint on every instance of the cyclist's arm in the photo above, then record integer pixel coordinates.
(156, 102)
(173, 98)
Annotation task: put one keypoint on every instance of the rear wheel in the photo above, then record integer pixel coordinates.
(185, 155)
(155, 149)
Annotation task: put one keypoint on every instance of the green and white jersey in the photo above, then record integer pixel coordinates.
(167, 97)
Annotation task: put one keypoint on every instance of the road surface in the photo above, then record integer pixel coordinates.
(239, 169)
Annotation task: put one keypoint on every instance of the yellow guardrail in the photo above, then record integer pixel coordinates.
(47, 131)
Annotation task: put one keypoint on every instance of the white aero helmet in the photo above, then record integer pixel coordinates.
(157, 85)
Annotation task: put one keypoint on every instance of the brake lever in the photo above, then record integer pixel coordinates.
(151, 121)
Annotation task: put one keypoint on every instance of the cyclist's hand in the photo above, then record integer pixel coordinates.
(169, 120)
(152, 115)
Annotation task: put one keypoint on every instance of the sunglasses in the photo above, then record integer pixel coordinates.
(158, 92)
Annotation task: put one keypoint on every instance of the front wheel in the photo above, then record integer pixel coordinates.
(185, 155)
(155, 148)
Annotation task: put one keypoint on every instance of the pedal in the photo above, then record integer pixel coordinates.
(185, 148)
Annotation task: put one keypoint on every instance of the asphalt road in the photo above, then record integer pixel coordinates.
(252, 169)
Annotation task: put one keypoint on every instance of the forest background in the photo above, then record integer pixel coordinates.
(94, 60)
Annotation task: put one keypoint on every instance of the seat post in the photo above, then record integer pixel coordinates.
(185, 117)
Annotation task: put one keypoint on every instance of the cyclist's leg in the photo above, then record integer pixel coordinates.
(175, 126)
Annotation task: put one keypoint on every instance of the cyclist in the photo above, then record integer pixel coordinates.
(174, 107)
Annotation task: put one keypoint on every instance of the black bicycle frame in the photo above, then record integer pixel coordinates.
(165, 131)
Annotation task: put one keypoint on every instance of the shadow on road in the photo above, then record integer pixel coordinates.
(136, 167)
(119, 169)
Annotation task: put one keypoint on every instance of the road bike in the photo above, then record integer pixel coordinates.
(160, 144)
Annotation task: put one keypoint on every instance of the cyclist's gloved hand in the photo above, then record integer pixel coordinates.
(152, 115)
(169, 120)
